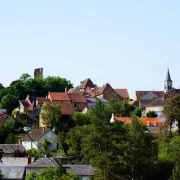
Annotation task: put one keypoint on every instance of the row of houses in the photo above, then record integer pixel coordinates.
(15, 164)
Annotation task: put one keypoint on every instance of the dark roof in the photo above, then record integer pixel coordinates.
(123, 93)
(59, 96)
(139, 94)
(77, 98)
(149, 102)
(12, 148)
(80, 170)
(87, 83)
(43, 162)
(24, 103)
(12, 172)
(32, 99)
(168, 77)
(15, 161)
(35, 134)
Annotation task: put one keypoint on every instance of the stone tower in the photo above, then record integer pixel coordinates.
(168, 84)
(38, 72)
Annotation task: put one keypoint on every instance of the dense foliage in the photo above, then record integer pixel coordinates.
(51, 174)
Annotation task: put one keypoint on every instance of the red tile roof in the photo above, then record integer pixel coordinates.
(139, 94)
(66, 109)
(59, 96)
(123, 93)
(87, 83)
(41, 100)
(146, 121)
(77, 98)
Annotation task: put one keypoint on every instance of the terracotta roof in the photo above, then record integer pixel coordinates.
(35, 134)
(77, 97)
(67, 109)
(24, 103)
(41, 100)
(74, 90)
(59, 96)
(146, 121)
(87, 83)
(123, 93)
(98, 90)
(139, 94)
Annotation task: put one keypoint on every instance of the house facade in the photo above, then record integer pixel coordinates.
(38, 135)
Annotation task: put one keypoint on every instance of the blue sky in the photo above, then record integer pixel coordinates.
(124, 42)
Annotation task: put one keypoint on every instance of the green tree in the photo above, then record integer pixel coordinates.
(80, 118)
(172, 111)
(75, 139)
(140, 152)
(45, 144)
(10, 125)
(11, 139)
(51, 115)
(137, 112)
(34, 153)
(103, 146)
(151, 114)
(9, 102)
(176, 172)
(51, 174)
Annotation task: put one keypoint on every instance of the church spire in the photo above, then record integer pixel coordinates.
(168, 85)
(168, 77)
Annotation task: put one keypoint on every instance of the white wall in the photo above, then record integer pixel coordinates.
(27, 144)
(157, 109)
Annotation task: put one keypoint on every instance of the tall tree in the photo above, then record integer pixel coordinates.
(172, 111)
(140, 152)
(103, 146)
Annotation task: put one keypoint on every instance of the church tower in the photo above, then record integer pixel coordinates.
(168, 84)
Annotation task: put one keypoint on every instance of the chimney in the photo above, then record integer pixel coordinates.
(65, 90)
(29, 159)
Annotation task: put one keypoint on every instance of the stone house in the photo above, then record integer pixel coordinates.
(106, 92)
(78, 101)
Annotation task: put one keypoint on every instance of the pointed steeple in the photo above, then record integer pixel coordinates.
(168, 84)
(168, 77)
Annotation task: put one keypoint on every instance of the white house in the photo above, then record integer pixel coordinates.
(36, 137)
